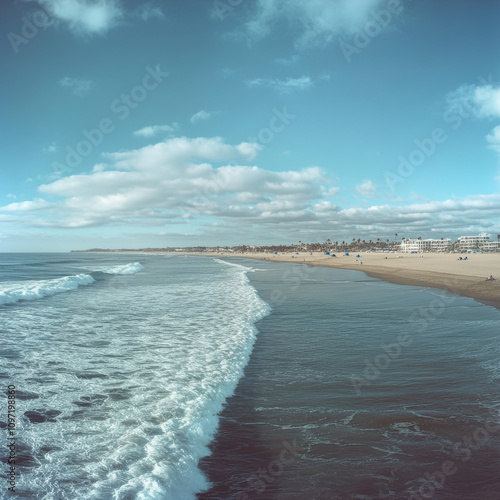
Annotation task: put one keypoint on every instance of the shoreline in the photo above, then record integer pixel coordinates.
(404, 269)
(450, 272)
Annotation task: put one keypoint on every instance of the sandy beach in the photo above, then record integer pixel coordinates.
(438, 270)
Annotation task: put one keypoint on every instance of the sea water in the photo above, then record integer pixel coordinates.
(170, 377)
(362, 389)
(121, 364)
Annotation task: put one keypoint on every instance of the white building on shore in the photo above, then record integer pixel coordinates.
(466, 243)
(491, 246)
(419, 245)
(463, 244)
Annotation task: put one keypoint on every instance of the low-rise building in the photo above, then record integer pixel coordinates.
(491, 246)
(441, 245)
(419, 245)
(466, 243)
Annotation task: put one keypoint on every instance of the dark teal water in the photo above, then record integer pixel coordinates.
(361, 389)
(144, 377)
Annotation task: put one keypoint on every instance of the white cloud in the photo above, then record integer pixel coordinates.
(494, 138)
(193, 180)
(480, 101)
(283, 86)
(79, 87)
(201, 115)
(27, 206)
(13, 196)
(367, 189)
(319, 21)
(85, 16)
(171, 179)
(153, 130)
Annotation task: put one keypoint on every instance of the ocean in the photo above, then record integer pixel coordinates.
(142, 376)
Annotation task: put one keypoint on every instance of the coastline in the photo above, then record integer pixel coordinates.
(370, 421)
(443, 271)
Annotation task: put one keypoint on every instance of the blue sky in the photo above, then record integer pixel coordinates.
(167, 123)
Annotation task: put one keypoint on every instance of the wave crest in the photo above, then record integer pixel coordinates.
(31, 290)
(131, 268)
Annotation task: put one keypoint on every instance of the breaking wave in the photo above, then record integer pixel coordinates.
(31, 290)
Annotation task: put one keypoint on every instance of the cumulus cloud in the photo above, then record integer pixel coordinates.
(366, 189)
(87, 17)
(284, 86)
(494, 138)
(171, 179)
(153, 130)
(77, 86)
(318, 21)
(207, 179)
(478, 101)
(201, 115)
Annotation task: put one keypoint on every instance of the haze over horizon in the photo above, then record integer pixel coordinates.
(200, 123)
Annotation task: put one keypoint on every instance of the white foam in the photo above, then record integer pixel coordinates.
(131, 268)
(31, 290)
(173, 369)
(237, 266)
